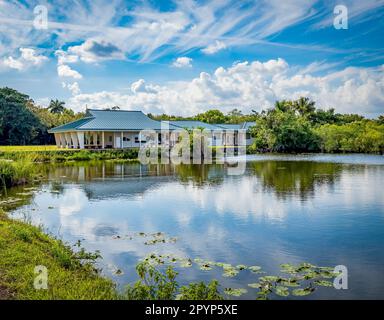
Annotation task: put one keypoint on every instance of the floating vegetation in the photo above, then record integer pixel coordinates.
(151, 238)
(305, 274)
(323, 283)
(10, 201)
(255, 269)
(241, 267)
(186, 263)
(230, 272)
(205, 267)
(303, 278)
(282, 291)
(303, 292)
(235, 292)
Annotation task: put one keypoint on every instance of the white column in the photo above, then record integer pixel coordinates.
(57, 139)
(121, 141)
(102, 140)
(80, 138)
(95, 139)
(74, 140)
(68, 140)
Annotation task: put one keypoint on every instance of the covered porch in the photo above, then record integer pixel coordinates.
(107, 139)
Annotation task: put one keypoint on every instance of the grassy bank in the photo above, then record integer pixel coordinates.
(16, 172)
(70, 275)
(54, 154)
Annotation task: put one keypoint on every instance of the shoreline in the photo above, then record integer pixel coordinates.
(71, 275)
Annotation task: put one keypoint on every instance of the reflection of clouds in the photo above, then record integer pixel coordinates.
(233, 222)
(71, 202)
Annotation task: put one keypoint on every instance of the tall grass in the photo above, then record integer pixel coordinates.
(62, 155)
(16, 172)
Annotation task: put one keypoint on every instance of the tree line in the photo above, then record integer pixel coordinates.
(22, 122)
(298, 126)
(290, 126)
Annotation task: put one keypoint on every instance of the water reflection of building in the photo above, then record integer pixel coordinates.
(284, 178)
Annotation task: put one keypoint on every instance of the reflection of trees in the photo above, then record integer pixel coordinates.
(87, 171)
(16, 197)
(295, 177)
(199, 174)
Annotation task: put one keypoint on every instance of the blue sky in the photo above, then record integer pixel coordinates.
(185, 57)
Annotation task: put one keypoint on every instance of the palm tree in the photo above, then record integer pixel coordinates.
(304, 106)
(56, 106)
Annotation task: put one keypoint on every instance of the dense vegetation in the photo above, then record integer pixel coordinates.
(22, 122)
(16, 172)
(298, 126)
(291, 126)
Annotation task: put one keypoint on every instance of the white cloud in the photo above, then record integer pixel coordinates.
(13, 63)
(151, 33)
(63, 57)
(30, 55)
(74, 87)
(215, 47)
(183, 62)
(92, 50)
(64, 70)
(256, 85)
(28, 58)
(141, 86)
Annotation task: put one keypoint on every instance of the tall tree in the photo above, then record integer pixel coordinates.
(56, 106)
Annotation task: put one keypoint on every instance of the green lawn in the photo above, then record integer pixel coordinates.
(27, 148)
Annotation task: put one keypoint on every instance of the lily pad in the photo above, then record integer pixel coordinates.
(269, 278)
(205, 267)
(235, 292)
(241, 267)
(254, 269)
(290, 282)
(186, 263)
(255, 285)
(230, 272)
(324, 283)
(303, 292)
(282, 291)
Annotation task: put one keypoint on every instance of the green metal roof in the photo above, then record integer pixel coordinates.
(70, 126)
(122, 120)
(229, 126)
(246, 125)
(193, 124)
(111, 120)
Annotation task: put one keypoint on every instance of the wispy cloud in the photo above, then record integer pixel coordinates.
(145, 32)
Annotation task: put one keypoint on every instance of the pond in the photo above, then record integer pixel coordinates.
(324, 209)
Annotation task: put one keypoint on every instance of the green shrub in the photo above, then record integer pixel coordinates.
(156, 285)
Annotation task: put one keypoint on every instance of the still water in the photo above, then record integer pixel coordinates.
(323, 209)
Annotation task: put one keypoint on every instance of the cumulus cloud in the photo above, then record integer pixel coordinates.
(183, 62)
(251, 85)
(92, 51)
(13, 63)
(64, 57)
(141, 86)
(28, 58)
(215, 47)
(74, 87)
(64, 70)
